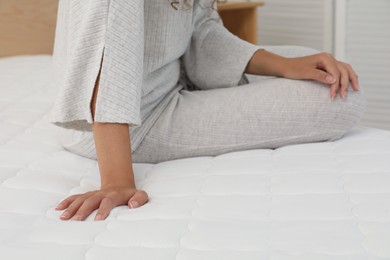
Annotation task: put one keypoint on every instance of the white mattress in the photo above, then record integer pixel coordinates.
(328, 200)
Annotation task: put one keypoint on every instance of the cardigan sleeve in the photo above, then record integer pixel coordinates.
(90, 35)
(215, 58)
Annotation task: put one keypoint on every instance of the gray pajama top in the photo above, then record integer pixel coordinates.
(147, 51)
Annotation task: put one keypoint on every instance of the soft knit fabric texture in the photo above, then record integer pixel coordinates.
(148, 52)
(269, 112)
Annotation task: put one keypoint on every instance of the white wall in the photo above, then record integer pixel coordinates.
(367, 48)
(355, 31)
(299, 22)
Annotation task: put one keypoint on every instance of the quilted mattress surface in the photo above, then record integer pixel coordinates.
(325, 200)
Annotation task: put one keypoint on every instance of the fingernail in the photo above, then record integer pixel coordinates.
(134, 204)
(332, 97)
(65, 215)
(98, 217)
(329, 78)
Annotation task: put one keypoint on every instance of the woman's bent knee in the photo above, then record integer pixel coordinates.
(349, 111)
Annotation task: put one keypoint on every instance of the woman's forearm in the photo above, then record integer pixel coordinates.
(265, 63)
(113, 150)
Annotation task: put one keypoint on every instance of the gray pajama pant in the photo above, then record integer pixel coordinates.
(268, 112)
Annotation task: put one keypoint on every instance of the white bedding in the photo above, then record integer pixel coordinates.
(328, 200)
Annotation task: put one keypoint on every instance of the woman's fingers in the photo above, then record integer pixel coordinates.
(321, 76)
(66, 202)
(89, 205)
(353, 77)
(344, 80)
(104, 209)
(343, 73)
(326, 62)
(139, 199)
(73, 207)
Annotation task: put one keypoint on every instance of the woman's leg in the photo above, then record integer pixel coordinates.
(266, 113)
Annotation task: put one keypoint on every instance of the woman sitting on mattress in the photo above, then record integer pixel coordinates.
(151, 81)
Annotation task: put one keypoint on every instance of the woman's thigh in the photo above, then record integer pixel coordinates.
(266, 113)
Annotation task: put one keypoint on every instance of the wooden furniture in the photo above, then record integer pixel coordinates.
(28, 26)
(240, 18)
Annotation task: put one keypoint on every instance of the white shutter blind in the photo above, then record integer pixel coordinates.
(299, 22)
(368, 51)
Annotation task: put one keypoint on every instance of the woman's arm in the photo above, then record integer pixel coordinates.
(322, 67)
(215, 58)
(113, 150)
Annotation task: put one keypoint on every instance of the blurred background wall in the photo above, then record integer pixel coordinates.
(27, 26)
(355, 31)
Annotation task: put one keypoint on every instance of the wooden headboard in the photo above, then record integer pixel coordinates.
(27, 26)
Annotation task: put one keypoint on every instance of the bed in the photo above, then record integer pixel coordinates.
(325, 200)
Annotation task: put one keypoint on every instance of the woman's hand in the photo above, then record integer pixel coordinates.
(323, 67)
(78, 207)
